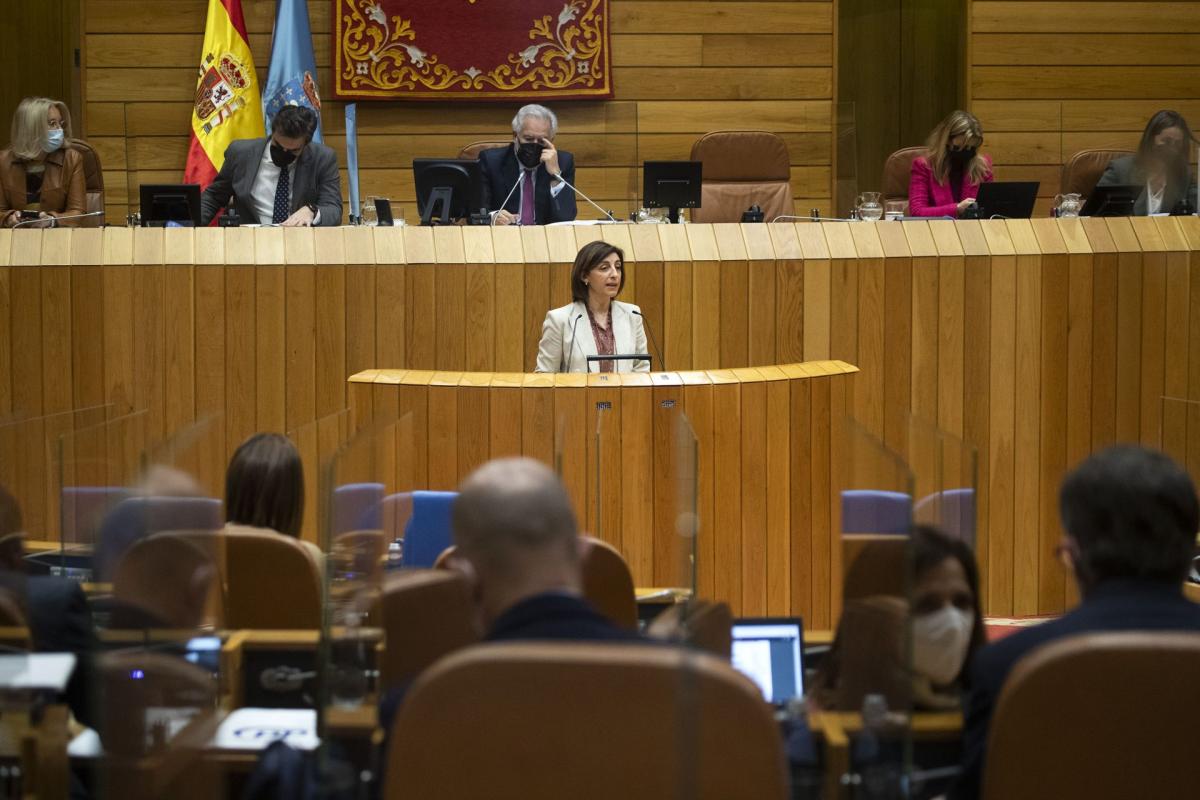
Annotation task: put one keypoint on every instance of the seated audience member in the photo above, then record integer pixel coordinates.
(947, 630)
(264, 489)
(1130, 517)
(595, 322)
(525, 178)
(519, 545)
(55, 609)
(1160, 165)
(284, 179)
(946, 179)
(41, 178)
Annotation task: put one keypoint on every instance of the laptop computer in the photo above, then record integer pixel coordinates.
(1111, 201)
(770, 651)
(1007, 199)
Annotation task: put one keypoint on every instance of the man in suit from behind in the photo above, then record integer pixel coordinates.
(1130, 517)
(518, 543)
(283, 179)
(526, 184)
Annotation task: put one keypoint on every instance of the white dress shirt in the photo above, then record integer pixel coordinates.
(1154, 199)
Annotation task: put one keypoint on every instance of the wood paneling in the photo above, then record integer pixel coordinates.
(765, 65)
(746, 427)
(1037, 342)
(1048, 79)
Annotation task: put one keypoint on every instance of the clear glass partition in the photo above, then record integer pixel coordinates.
(846, 179)
(866, 677)
(945, 469)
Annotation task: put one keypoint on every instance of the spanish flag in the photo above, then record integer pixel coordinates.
(228, 104)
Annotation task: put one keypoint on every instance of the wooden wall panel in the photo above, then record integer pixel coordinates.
(1048, 79)
(766, 65)
(1048, 340)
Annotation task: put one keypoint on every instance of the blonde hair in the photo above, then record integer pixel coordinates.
(958, 123)
(29, 126)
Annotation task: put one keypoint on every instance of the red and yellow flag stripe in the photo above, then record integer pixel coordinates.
(228, 102)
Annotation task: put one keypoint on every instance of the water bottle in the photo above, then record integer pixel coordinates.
(395, 555)
(801, 751)
(878, 776)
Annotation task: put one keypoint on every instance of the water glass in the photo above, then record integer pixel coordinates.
(894, 209)
(369, 216)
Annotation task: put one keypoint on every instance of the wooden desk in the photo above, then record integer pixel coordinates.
(1037, 341)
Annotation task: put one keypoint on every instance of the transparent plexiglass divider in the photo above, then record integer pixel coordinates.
(158, 680)
(866, 677)
(946, 476)
(846, 179)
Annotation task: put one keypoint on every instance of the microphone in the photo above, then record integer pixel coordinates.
(58, 219)
(585, 197)
(661, 364)
(510, 194)
(284, 679)
(571, 352)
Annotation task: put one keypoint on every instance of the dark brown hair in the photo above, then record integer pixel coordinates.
(264, 485)
(590, 255)
(1160, 122)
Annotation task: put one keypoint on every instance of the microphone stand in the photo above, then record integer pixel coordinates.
(571, 352)
(662, 364)
(56, 220)
(585, 197)
(510, 194)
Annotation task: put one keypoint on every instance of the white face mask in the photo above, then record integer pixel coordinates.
(54, 140)
(940, 641)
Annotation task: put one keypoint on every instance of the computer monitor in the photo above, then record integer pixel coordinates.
(672, 185)
(770, 651)
(1007, 199)
(164, 203)
(1111, 201)
(447, 189)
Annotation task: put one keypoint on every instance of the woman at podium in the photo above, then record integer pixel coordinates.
(595, 323)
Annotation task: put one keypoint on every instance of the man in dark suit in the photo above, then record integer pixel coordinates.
(519, 544)
(529, 179)
(283, 179)
(1130, 517)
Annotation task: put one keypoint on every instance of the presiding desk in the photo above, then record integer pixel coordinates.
(1035, 341)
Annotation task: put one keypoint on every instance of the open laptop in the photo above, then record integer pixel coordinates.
(770, 651)
(1007, 199)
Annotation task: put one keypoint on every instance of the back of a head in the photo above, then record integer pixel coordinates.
(264, 485)
(1133, 514)
(513, 511)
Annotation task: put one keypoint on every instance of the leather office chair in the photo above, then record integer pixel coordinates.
(875, 511)
(93, 176)
(1082, 171)
(897, 171)
(1098, 716)
(427, 531)
(742, 169)
(356, 507)
(587, 721)
(168, 580)
(271, 581)
(707, 626)
(426, 614)
(951, 510)
(607, 581)
(473, 149)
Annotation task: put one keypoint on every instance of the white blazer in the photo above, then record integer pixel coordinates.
(558, 351)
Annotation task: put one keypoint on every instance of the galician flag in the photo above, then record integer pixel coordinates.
(228, 105)
(292, 80)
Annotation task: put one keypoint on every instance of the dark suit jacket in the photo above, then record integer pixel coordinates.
(1116, 605)
(314, 180)
(500, 173)
(554, 615)
(64, 191)
(60, 621)
(1124, 171)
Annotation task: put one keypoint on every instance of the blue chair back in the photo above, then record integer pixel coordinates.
(135, 518)
(875, 511)
(427, 533)
(356, 507)
(951, 510)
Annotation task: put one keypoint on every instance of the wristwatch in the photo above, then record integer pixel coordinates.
(311, 207)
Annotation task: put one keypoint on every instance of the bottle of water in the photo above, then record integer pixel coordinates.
(875, 764)
(395, 555)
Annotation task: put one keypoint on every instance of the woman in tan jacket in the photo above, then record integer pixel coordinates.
(41, 177)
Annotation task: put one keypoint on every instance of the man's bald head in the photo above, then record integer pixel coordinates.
(513, 516)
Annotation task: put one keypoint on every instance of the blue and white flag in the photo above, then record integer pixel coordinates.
(352, 157)
(292, 80)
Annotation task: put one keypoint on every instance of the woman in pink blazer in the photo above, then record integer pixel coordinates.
(946, 180)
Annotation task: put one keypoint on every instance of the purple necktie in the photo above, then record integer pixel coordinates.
(527, 215)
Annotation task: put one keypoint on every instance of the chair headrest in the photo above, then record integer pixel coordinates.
(742, 156)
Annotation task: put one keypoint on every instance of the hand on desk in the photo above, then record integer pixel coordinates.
(301, 219)
(506, 218)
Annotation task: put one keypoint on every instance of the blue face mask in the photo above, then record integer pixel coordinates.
(54, 140)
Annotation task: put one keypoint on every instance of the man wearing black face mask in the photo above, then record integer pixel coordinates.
(283, 179)
(529, 178)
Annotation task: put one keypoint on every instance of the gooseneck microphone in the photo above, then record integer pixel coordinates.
(56, 220)
(571, 352)
(662, 365)
(585, 197)
(510, 194)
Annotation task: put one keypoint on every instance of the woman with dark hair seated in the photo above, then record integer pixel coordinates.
(264, 488)
(1160, 166)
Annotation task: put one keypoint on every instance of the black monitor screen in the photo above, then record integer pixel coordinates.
(1111, 201)
(671, 184)
(167, 202)
(461, 177)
